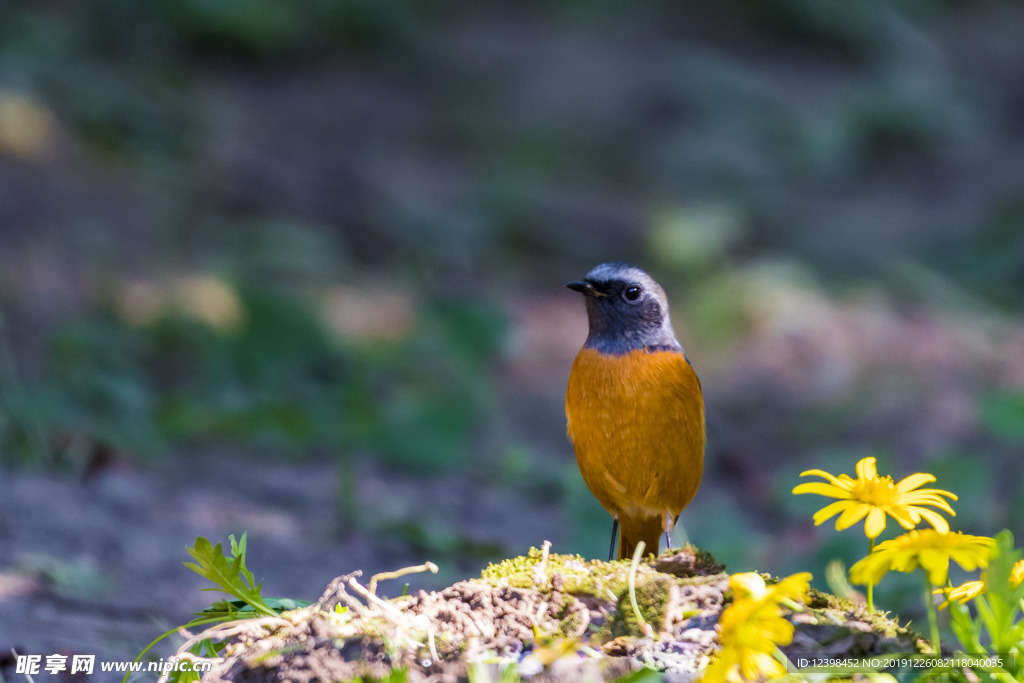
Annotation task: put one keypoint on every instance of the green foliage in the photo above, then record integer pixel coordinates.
(250, 29)
(271, 30)
(279, 381)
(230, 575)
(95, 387)
(480, 672)
(997, 628)
(246, 26)
(643, 675)
(400, 675)
(73, 577)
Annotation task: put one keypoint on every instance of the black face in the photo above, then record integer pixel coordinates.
(626, 310)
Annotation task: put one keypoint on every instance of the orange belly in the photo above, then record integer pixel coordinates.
(637, 423)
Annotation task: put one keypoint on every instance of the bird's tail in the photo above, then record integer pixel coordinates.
(636, 529)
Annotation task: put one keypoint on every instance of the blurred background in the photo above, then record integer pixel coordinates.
(295, 269)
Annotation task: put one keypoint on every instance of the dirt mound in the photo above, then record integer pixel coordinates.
(553, 617)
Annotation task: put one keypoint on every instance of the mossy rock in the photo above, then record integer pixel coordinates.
(552, 617)
(656, 597)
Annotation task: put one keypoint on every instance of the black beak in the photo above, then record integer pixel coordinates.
(584, 288)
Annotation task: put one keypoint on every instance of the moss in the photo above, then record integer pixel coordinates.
(830, 609)
(654, 595)
(595, 578)
(572, 626)
(702, 580)
(816, 599)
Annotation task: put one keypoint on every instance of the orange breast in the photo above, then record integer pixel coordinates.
(637, 424)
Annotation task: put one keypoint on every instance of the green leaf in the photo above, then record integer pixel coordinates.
(184, 676)
(966, 629)
(229, 574)
(644, 675)
(1004, 599)
(228, 610)
(234, 578)
(284, 604)
(192, 624)
(1004, 556)
(510, 674)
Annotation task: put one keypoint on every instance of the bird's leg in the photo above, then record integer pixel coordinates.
(615, 531)
(669, 523)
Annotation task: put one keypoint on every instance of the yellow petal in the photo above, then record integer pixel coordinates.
(967, 591)
(935, 519)
(913, 481)
(747, 584)
(719, 669)
(793, 587)
(837, 481)
(1017, 573)
(852, 515)
(970, 558)
(756, 665)
(936, 563)
(866, 469)
(822, 489)
(869, 569)
(927, 497)
(907, 517)
(875, 523)
(776, 631)
(903, 560)
(891, 543)
(830, 510)
(938, 493)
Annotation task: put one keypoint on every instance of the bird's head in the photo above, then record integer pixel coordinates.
(626, 308)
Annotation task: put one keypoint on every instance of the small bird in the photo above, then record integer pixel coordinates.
(634, 407)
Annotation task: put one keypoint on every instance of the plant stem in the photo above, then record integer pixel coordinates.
(782, 659)
(933, 622)
(871, 586)
(644, 627)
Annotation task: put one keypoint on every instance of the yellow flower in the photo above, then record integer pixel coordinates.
(928, 549)
(875, 497)
(972, 589)
(962, 593)
(1017, 573)
(735, 665)
(752, 627)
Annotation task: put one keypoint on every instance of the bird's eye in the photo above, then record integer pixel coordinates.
(632, 293)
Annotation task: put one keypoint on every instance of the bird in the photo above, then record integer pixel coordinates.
(634, 408)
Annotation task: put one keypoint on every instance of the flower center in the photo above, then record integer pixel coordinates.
(879, 491)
